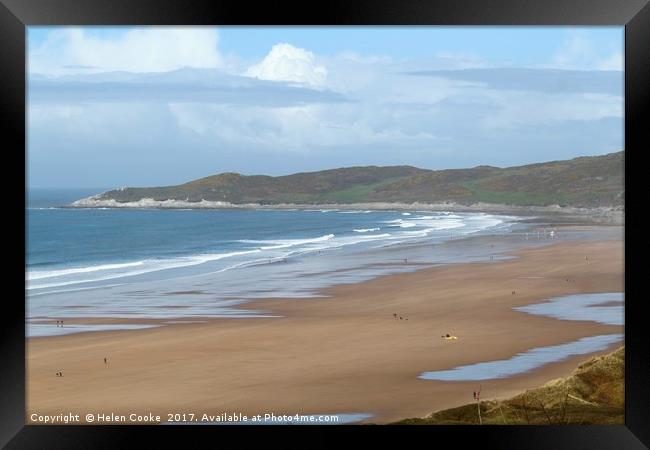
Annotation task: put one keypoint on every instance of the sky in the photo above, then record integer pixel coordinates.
(153, 106)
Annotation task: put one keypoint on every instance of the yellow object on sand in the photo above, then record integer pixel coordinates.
(450, 337)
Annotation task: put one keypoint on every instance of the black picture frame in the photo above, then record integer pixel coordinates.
(16, 15)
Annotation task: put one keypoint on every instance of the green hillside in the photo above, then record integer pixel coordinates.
(585, 181)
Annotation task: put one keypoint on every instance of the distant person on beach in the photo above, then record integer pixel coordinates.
(105, 360)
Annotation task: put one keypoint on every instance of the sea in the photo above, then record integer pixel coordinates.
(191, 265)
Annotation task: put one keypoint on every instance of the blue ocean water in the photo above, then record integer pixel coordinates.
(75, 247)
(193, 264)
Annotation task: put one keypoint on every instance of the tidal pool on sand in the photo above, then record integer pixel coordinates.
(524, 362)
(583, 307)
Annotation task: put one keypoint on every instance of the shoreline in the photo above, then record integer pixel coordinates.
(507, 244)
(602, 215)
(259, 312)
(354, 316)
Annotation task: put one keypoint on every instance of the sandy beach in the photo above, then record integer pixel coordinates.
(342, 354)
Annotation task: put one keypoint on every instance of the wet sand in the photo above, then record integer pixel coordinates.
(342, 354)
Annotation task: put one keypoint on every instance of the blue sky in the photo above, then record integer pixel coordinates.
(114, 106)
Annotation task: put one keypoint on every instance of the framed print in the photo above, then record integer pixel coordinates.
(335, 217)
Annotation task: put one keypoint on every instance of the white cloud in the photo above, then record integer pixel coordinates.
(288, 63)
(460, 60)
(178, 86)
(579, 52)
(575, 51)
(299, 129)
(365, 59)
(614, 62)
(515, 109)
(52, 112)
(386, 110)
(151, 49)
